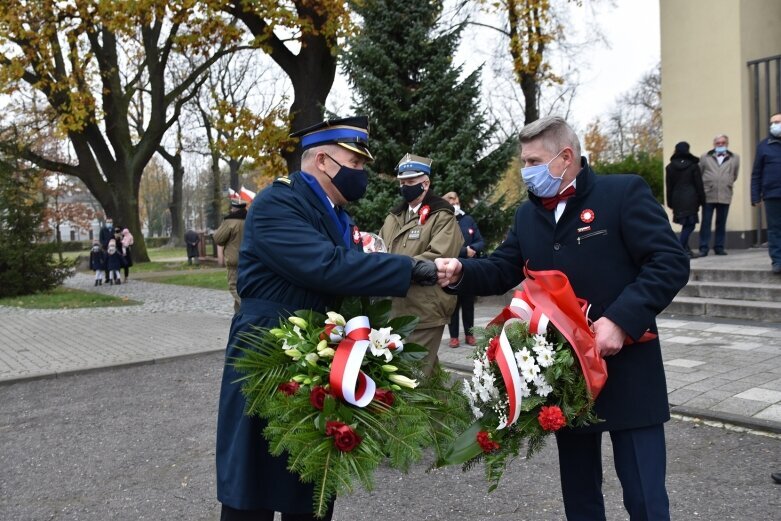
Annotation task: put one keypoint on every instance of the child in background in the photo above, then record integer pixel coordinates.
(113, 262)
(127, 242)
(97, 262)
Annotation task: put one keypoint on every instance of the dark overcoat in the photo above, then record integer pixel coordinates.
(615, 244)
(471, 233)
(293, 256)
(683, 181)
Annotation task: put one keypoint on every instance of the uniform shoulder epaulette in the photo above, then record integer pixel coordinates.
(283, 179)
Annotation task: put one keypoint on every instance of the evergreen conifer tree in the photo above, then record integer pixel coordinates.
(401, 68)
(27, 264)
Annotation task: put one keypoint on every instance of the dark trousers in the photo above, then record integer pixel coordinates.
(721, 226)
(687, 227)
(231, 514)
(465, 304)
(773, 214)
(640, 460)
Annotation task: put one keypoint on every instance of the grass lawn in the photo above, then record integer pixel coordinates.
(66, 298)
(210, 280)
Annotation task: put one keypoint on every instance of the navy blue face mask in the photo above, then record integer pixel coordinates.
(411, 192)
(351, 182)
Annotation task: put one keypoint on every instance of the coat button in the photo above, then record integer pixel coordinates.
(557, 246)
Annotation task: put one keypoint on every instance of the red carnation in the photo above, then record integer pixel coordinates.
(485, 442)
(551, 418)
(493, 345)
(345, 438)
(317, 397)
(289, 388)
(384, 396)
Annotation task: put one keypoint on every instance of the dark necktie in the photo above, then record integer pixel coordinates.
(550, 203)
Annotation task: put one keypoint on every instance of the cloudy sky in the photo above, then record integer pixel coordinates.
(606, 70)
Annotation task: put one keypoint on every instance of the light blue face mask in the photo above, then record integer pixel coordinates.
(539, 179)
(721, 150)
(775, 129)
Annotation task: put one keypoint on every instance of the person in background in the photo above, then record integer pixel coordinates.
(612, 239)
(105, 235)
(191, 239)
(113, 262)
(125, 242)
(719, 167)
(300, 250)
(422, 226)
(473, 246)
(97, 262)
(766, 188)
(228, 239)
(685, 193)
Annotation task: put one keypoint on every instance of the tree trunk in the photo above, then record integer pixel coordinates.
(176, 206)
(233, 166)
(214, 206)
(530, 90)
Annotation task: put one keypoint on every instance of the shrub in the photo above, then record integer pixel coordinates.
(26, 261)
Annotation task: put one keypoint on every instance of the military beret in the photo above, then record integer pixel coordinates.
(350, 133)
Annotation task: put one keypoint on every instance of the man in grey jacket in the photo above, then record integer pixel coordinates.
(719, 168)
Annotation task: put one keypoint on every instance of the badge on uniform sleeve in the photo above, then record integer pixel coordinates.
(356, 235)
(587, 215)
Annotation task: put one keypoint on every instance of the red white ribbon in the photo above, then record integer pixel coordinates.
(347, 380)
(505, 359)
(519, 309)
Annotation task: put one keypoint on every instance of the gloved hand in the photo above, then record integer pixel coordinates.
(424, 272)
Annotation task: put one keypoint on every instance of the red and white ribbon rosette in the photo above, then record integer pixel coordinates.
(424, 211)
(347, 380)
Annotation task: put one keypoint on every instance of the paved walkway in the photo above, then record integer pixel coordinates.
(722, 370)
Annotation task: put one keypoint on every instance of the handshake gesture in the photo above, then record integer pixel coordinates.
(444, 272)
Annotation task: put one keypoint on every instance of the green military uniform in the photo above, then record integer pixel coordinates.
(438, 236)
(229, 235)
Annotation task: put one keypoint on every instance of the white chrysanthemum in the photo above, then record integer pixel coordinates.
(524, 359)
(544, 356)
(539, 340)
(542, 386)
(530, 372)
(484, 394)
(525, 391)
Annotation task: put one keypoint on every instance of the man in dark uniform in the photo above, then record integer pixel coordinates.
(298, 252)
(613, 240)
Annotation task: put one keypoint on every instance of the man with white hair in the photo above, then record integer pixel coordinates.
(719, 168)
(300, 250)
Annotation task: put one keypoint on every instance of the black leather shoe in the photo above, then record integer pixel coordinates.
(776, 477)
(721, 252)
(703, 253)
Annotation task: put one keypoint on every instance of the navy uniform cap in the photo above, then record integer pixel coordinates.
(413, 166)
(350, 133)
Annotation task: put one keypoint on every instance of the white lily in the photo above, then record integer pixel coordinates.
(403, 381)
(335, 318)
(381, 340)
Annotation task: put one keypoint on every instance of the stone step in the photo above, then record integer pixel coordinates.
(758, 276)
(755, 291)
(763, 311)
